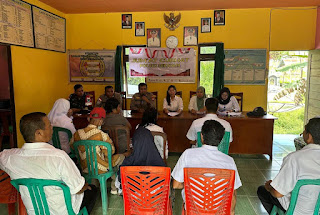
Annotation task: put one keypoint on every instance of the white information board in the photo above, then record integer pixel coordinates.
(49, 30)
(16, 23)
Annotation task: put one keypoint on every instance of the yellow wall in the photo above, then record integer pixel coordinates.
(40, 77)
(244, 29)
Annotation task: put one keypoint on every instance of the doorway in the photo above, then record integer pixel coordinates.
(287, 89)
(8, 138)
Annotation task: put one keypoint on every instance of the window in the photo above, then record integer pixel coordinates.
(130, 84)
(206, 66)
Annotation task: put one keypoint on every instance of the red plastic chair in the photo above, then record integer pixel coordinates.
(146, 190)
(208, 190)
(9, 195)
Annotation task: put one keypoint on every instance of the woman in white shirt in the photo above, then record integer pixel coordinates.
(172, 103)
(197, 102)
(227, 103)
(59, 116)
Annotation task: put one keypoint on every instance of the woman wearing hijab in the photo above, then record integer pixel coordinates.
(197, 102)
(149, 121)
(145, 152)
(227, 103)
(59, 116)
(172, 103)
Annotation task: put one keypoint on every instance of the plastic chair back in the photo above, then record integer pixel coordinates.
(192, 93)
(164, 138)
(179, 93)
(92, 165)
(208, 190)
(91, 156)
(224, 144)
(56, 138)
(155, 96)
(294, 197)
(113, 132)
(146, 190)
(38, 196)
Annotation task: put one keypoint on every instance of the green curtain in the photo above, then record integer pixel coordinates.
(218, 77)
(118, 77)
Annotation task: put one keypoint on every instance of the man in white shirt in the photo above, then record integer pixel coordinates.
(191, 38)
(302, 164)
(154, 40)
(207, 156)
(211, 106)
(40, 160)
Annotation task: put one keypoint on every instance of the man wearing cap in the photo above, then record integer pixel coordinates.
(142, 100)
(109, 93)
(154, 40)
(191, 38)
(93, 132)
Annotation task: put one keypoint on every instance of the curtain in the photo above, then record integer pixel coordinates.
(118, 77)
(218, 77)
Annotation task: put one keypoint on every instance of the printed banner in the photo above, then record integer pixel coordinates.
(91, 65)
(163, 64)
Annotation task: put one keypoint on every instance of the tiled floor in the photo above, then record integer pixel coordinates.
(254, 170)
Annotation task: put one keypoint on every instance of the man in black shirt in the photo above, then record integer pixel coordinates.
(77, 99)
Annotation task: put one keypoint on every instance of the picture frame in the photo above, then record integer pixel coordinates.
(154, 37)
(126, 21)
(139, 29)
(190, 36)
(219, 17)
(205, 25)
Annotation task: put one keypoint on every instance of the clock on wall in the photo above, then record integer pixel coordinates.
(172, 42)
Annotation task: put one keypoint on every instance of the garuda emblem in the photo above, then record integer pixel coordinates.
(172, 22)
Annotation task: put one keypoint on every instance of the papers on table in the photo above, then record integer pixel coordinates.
(173, 113)
(234, 113)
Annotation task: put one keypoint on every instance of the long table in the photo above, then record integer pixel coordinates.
(250, 135)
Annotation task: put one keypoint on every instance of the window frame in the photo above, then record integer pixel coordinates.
(125, 59)
(205, 57)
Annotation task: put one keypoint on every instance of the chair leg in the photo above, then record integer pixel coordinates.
(22, 209)
(1, 138)
(104, 197)
(11, 141)
(11, 208)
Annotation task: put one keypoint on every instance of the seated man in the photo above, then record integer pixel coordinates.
(114, 118)
(109, 93)
(302, 164)
(40, 160)
(206, 156)
(93, 132)
(77, 99)
(142, 100)
(211, 107)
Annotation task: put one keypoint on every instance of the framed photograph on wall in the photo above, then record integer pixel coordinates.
(190, 36)
(219, 17)
(126, 20)
(139, 29)
(205, 25)
(154, 37)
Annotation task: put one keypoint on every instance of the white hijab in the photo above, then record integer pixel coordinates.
(59, 112)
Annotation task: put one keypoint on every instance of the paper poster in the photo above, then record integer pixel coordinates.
(16, 23)
(91, 65)
(163, 64)
(49, 30)
(247, 66)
